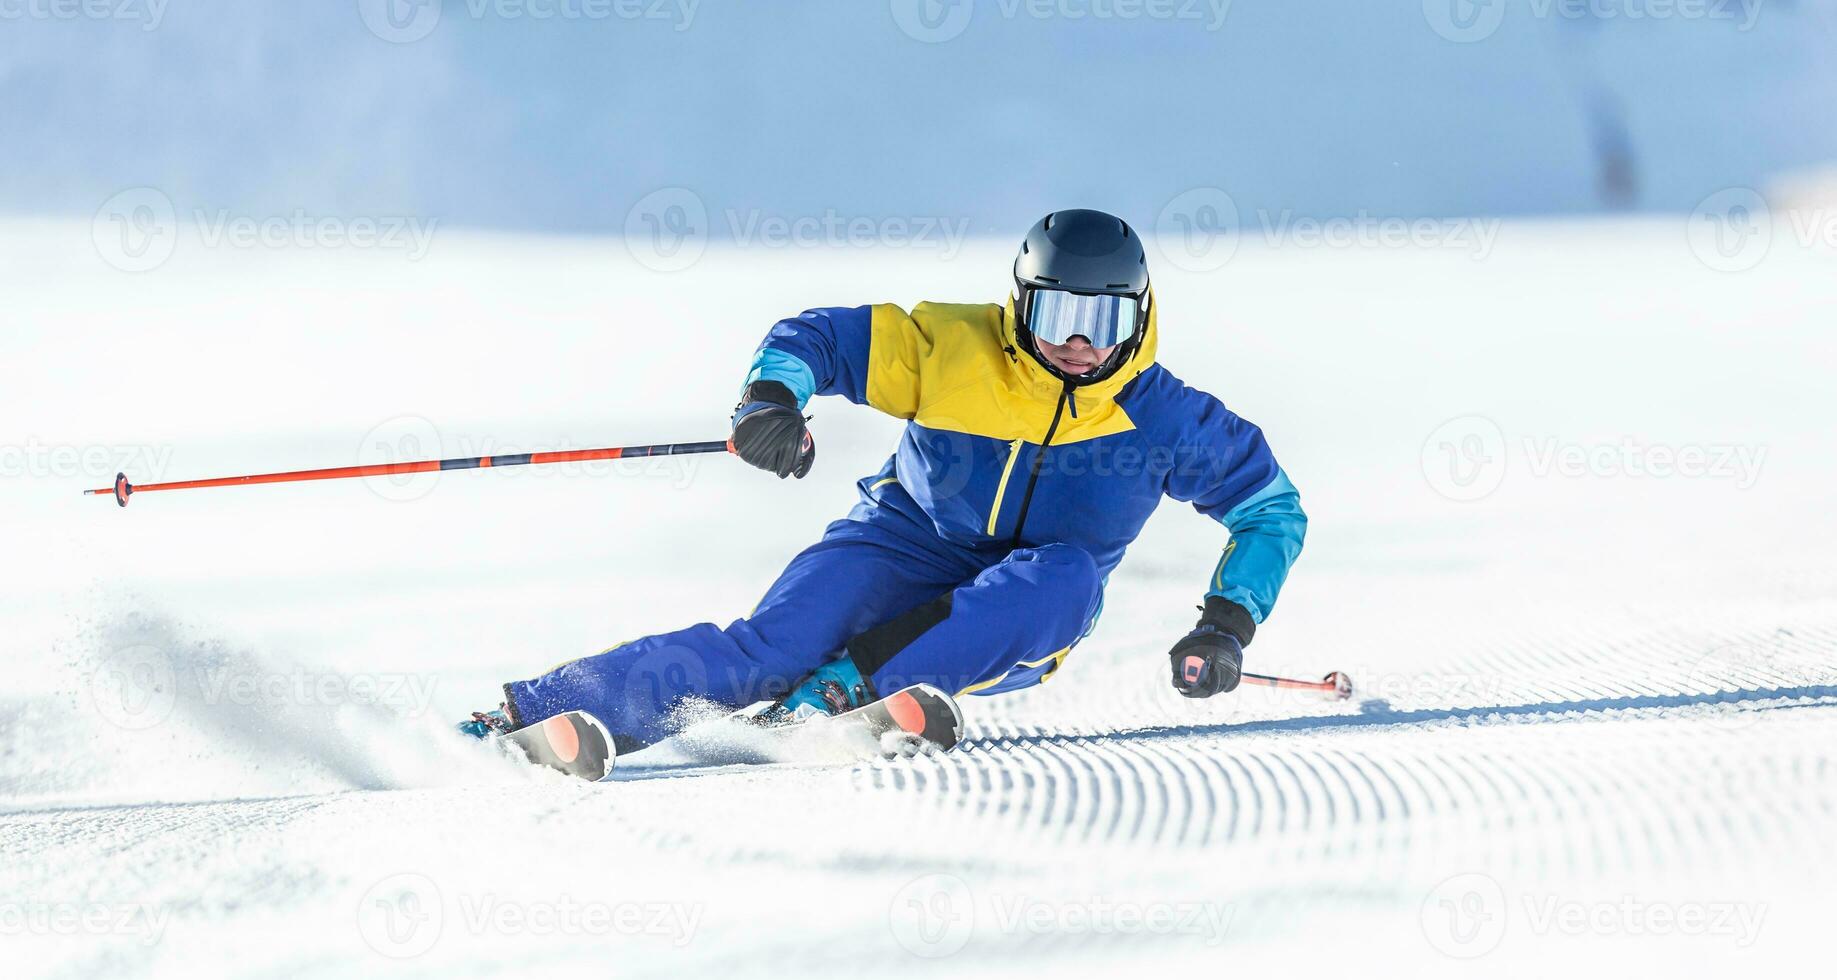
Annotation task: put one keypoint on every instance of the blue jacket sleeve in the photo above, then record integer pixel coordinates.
(1224, 466)
(819, 352)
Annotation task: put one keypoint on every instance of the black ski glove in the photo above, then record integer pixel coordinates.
(769, 431)
(1210, 659)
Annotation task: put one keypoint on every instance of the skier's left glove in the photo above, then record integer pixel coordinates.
(769, 431)
(1210, 659)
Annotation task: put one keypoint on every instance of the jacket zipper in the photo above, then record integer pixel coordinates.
(1033, 468)
(1001, 489)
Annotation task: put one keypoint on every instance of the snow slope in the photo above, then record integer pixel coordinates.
(1597, 705)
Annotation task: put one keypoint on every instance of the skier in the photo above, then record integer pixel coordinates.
(1040, 437)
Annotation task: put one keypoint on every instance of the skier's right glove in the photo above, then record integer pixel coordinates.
(769, 431)
(1210, 659)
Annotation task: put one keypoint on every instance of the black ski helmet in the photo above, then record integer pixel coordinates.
(1088, 253)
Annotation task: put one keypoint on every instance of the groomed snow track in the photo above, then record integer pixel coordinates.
(1248, 836)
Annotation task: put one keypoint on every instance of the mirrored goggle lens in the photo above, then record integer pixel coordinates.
(1104, 321)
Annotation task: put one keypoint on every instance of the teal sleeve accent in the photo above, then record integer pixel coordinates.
(1267, 531)
(819, 352)
(1276, 487)
(771, 364)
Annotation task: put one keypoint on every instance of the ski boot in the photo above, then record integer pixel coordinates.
(485, 724)
(831, 689)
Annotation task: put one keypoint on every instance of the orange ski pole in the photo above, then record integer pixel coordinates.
(1336, 685)
(123, 489)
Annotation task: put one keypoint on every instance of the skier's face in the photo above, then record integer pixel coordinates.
(1076, 356)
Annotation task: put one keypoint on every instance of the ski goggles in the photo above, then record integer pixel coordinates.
(1102, 319)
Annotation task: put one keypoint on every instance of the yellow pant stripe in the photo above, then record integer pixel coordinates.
(1057, 660)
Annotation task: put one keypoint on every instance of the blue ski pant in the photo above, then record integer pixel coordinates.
(907, 609)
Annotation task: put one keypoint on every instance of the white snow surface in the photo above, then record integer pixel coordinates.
(1596, 727)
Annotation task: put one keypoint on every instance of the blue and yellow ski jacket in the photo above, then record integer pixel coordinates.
(984, 418)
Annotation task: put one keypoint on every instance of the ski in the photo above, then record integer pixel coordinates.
(920, 713)
(903, 723)
(573, 742)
